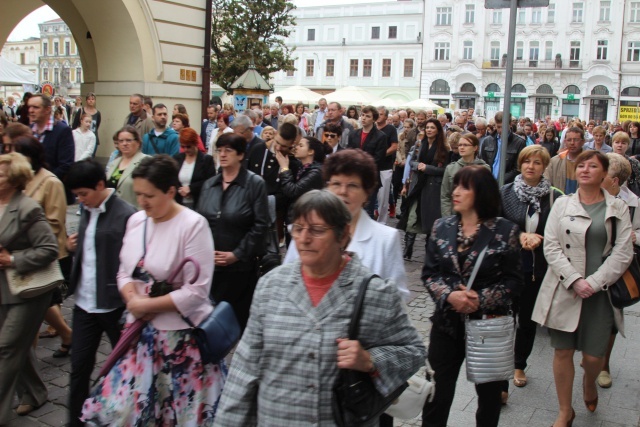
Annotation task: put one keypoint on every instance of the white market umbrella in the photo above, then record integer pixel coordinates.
(12, 74)
(295, 94)
(352, 95)
(389, 103)
(422, 104)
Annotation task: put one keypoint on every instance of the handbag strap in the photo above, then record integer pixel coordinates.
(476, 267)
(354, 325)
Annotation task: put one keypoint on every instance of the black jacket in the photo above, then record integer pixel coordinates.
(292, 188)
(238, 217)
(515, 144)
(375, 144)
(202, 171)
(551, 146)
(110, 230)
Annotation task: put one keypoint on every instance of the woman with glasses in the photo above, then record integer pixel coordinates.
(295, 343)
(119, 174)
(351, 175)
(331, 135)
(468, 146)
(234, 202)
(195, 168)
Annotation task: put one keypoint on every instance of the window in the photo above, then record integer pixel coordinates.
(292, 70)
(330, 67)
(443, 16)
(442, 51)
(495, 50)
(578, 11)
(353, 68)
(78, 75)
(310, 66)
(633, 51)
(408, 67)
(519, 51)
(534, 53)
(600, 90)
(439, 87)
(496, 17)
(536, 15)
(631, 91)
(386, 67)
(574, 55)
(393, 32)
(56, 76)
(545, 89)
(522, 16)
(551, 13)
(605, 11)
(634, 12)
(470, 14)
(548, 51)
(55, 48)
(601, 54)
(375, 33)
(311, 34)
(45, 74)
(366, 67)
(67, 48)
(22, 58)
(45, 48)
(467, 50)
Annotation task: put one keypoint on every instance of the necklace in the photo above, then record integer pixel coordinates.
(466, 241)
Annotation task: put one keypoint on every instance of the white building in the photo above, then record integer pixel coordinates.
(24, 53)
(574, 58)
(376, 46)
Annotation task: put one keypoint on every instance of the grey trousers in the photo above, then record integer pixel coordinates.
(19, 324)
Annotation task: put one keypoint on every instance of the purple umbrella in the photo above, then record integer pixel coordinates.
(129, 337)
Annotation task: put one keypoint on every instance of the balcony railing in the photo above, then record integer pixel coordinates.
(533, 63)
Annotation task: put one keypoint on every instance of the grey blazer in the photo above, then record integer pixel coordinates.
(285, 366)
(38, 246)
(124, 190)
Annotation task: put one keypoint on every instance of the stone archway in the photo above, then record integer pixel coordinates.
(130, 46)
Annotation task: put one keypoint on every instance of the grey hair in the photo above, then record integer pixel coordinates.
(619, 167)
(481, 121)
(442, 116)
(242, 120)
(251, 114)
(274, 105)
(258, 111)
(384, 111)
(327, 206)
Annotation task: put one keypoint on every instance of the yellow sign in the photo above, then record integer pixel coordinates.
(629, 113)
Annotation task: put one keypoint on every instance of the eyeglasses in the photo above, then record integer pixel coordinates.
(315, 231)
(225, 150)
(336, 186)
(125, 141)
(330, 135)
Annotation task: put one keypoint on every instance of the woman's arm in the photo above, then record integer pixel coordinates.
(553, 253)
(445, 192)
(89, 141)
(432, 275)
(292, 189)
(208, 171)
(252, 243)
(54, 204)
(43, 249)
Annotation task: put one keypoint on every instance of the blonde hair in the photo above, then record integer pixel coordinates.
(19, 171)
(267, 128)
(291, 118)
(621, 136)
(619, 167)
(532, 151)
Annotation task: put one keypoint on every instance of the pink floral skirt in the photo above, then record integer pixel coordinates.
(159, 382)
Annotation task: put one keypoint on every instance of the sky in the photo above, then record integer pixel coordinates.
(28, 27)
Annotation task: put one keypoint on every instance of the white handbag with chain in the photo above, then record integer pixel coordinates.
(409, 405)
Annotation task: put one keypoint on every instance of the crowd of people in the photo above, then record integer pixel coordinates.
(322, 186)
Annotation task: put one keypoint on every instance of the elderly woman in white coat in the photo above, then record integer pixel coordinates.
(350, 174)
(583, 261)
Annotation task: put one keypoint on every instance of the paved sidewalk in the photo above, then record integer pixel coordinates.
(533, 405)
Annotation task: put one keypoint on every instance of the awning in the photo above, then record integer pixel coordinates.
(543, 95)
(465, 95)
(598, 97)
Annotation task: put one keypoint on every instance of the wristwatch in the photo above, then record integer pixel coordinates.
(283, 170)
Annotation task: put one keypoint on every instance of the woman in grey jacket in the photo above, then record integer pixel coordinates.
(285, 366)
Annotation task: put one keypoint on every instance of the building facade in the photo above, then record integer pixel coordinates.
(573, 58)
(60, 61)
(376, 46)
(25, 53)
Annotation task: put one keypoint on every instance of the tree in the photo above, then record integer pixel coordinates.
(245, 31)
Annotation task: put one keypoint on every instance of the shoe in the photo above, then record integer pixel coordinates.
(604, 379)
(590, 404)
(505, 397)
(392, 211)
(26, 409)
(410, 239)
(519, 378)
(63, 351)
(570, 422)
(47, 334)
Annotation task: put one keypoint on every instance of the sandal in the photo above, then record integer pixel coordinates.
(47, 334)
(519, 378)
(63, 351)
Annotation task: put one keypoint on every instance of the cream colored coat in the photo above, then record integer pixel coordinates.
(557, 306)
(124, 189)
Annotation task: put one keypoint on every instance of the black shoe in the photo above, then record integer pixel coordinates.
(410, 239)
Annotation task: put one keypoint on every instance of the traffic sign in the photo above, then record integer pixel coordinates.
(505, 4)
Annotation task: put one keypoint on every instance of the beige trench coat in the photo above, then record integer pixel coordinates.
(557, 306)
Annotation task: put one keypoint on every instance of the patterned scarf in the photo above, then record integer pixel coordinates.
(531, 195)
(302, 170)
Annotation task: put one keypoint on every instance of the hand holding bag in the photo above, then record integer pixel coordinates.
(355, 399)
(626, 290)
(410, 403)
(489, 343)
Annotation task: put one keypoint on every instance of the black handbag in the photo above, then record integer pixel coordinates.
(355, 399)
(625, 291)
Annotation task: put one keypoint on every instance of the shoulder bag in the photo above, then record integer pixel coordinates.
(36, 282)
(355, 399)
(421, 388)
(625, 291)
(489, 343)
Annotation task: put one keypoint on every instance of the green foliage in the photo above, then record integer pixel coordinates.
(248, 30)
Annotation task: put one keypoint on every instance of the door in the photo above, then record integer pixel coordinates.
(543, 107)
(598, 110)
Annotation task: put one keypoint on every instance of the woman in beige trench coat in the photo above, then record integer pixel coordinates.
(573, 302)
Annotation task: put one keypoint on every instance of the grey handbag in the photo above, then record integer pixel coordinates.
(489, 343)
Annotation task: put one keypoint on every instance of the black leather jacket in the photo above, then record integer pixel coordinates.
(514, 146)
(238, 217)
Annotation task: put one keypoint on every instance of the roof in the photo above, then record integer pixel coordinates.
(53, 21)
(251, 79)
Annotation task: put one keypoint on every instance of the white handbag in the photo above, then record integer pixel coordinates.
(409, 404)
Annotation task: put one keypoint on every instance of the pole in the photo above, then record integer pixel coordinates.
(206, 68)
(506, 123)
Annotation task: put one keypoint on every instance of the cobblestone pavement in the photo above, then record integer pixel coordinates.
(533, 405)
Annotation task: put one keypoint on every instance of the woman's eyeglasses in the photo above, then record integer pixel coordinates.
(351, 187)
(314, 230)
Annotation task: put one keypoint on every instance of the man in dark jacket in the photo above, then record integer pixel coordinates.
(491, 152)
(98, 305)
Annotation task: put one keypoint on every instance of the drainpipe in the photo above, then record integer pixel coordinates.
(206, 69)
(624, 15)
